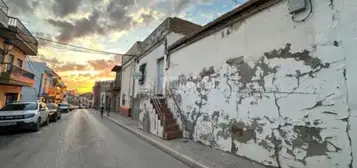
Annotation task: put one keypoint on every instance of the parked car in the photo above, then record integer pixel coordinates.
(24, 115)
(54, 112)
(63, 108)
(71, 107)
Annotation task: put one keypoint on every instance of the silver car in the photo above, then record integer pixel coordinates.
(24, 115)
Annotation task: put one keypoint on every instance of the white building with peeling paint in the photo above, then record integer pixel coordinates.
(275, 87)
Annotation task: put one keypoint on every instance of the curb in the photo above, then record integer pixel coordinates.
(183, 158)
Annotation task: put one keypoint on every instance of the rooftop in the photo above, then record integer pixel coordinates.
(243, 11)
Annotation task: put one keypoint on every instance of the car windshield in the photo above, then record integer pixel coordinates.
(19, 107)
(51, 106)
(63, 105)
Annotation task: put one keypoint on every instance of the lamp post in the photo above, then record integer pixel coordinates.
(7, 49)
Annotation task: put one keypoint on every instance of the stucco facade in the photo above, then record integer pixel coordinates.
(271, 89)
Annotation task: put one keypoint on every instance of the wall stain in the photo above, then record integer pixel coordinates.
(207, 72)
(244, 133)
(311, 137)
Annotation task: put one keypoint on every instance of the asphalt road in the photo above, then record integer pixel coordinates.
(81, 139)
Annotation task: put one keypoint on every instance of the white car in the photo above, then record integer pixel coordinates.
(24, 115)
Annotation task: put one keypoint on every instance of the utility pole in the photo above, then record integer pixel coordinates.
(40, 87)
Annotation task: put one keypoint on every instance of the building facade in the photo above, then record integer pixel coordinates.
(48, 86)
(271, 86)
(115, 89)
(16, 43)
(147, 59)
(263, 81)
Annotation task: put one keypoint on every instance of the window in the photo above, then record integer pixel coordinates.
(11, 59)
(11, 97)
(142, 69)
(19, 63)
(16, 107)
(123, 100)
(1, 55)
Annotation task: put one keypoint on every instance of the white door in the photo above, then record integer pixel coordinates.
(160, 76)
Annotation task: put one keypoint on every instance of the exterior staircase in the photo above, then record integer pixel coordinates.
(171, 129)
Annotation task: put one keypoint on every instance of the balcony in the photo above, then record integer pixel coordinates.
(4, 19)
(22, 38)
(13, 75)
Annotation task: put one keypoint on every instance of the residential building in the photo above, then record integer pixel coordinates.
(96, 95)
(102, 94)
(269, 83)
(47, 85)
(147, 57)
(105, 93)
(115, 89)
(16, 43)
(128, 65)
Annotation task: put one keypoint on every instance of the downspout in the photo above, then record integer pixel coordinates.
(40, 88)
(136, 60)
(167, 61)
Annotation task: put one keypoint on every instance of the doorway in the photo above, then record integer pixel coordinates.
(160, 76)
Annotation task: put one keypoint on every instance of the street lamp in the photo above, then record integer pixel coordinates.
(7, 47)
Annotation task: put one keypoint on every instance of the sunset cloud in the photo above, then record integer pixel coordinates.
(108, 25)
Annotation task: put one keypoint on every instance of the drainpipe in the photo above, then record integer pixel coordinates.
(166, 62)
(40, 87)
(136, 60)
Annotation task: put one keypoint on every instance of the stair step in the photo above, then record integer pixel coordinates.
(172, 134)
(172, 127)
(169, 115)
(170, 121)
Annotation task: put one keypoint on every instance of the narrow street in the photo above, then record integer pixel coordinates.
(81, 139)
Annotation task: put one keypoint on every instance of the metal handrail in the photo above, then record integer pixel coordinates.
(158, 107)
(4, 6)
(170, 94)
(13, 69)
(15, 22)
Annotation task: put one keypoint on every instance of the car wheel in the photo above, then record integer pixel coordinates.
(47, 120)
(37, 126)
(55, 118)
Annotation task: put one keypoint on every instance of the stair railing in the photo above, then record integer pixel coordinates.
(158, 107)
(172, 96)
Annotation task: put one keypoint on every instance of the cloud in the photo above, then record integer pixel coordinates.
(65, 7)
(102, 22)
(102, 64)
(22, 6)
(114, 16)
(70, 66)
(50, 61)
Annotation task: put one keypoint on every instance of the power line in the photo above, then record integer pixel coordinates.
(65, 44)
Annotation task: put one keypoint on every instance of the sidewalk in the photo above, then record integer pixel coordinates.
(189, 152)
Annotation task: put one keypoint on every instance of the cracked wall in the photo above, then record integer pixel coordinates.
(148, 119)
(275, 95)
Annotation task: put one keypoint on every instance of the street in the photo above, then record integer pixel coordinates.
(81, 139)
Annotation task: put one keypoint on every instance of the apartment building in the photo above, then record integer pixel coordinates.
(16, 44)
(48, 84)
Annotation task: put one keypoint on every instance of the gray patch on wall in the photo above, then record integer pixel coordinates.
(311, 137)
(146, 122)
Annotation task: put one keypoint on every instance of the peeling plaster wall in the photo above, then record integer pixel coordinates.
(275, 93)
(126, 83)
(148, 119)
(150, 60)
(143, 92)
(348, 35)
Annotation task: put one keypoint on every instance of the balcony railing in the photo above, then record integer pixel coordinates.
(3, 14)
(17, 71)
(24, 33)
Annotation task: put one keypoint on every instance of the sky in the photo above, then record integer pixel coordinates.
(108, 25)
